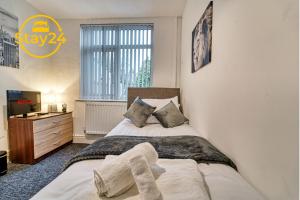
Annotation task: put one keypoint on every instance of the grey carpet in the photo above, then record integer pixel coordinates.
(23, 181)
(12, 168)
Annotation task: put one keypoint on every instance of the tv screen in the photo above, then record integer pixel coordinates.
(22, 102)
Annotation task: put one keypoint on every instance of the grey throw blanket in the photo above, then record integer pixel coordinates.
(171, 147)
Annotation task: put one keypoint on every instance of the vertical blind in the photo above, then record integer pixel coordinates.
(113, 58)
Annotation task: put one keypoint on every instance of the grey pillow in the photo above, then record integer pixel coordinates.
(138, 112)
(169, 116)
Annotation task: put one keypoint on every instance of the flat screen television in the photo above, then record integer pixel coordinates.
(22, 102)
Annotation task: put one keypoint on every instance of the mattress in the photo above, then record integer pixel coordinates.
(77, 182)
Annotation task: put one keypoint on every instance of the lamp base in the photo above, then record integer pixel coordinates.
(52, 108)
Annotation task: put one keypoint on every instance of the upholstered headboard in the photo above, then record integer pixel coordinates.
(152, 93)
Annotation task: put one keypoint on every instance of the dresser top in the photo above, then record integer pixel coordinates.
(38, 117)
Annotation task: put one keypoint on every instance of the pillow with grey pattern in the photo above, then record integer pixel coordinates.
(170, 116)
(138, 112)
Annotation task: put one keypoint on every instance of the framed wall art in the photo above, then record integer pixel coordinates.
(202, 40)
(9, 49)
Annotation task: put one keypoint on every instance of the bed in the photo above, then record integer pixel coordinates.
(222, 181)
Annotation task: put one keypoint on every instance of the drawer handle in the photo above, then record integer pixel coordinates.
(56, 143)
(56, 133)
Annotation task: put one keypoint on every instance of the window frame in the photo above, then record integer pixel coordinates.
(116, 49)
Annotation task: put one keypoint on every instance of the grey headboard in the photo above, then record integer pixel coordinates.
(152, 93)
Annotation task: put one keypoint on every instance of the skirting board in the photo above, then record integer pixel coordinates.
(8, 161)
(87, 139)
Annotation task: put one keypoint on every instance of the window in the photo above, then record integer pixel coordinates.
(113, 58)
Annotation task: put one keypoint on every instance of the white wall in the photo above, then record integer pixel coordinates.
(246, 100)
(34, 74)
(61, 72)
(66, 63)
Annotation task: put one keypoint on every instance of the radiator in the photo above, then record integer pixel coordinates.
(101, 117)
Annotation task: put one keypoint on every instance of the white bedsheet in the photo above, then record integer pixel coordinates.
(76, 182)
(226, 184)
(125, 127)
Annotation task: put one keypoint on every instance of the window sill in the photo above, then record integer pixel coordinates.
(99, 100)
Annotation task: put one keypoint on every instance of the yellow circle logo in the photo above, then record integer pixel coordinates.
(40, 36)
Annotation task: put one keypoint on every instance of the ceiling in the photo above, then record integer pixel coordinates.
(84, 9)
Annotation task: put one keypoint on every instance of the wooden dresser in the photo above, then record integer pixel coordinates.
(33, 137)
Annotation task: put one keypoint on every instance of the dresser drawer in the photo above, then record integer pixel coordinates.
(53, 133)
(48, 140)
(48, 123)
(43, 148)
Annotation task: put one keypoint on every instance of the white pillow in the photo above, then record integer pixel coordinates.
(159, 103)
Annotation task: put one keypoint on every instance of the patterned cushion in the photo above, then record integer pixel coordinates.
(139, 112)
(169, 116)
